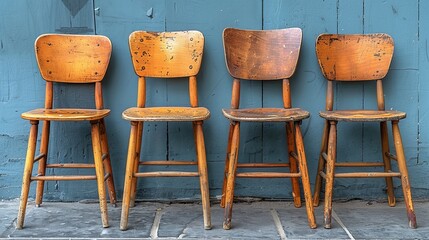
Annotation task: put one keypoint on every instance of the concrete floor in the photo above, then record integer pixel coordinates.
(251, 220)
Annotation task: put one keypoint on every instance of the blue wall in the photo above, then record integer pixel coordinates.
(21, 89)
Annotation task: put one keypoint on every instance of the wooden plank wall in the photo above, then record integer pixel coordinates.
(21, 89)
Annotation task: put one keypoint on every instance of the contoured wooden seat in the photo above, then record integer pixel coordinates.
(165, 55)
(261, 55)
(350, 58)
(71, 59)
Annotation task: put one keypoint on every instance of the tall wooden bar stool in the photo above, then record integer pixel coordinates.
(165, 55)
(351, 58)
(74, 59)
(264, 55)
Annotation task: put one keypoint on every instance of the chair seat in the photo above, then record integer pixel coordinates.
(265, 114)
(362, 115)
(166, 114)
(65, 114)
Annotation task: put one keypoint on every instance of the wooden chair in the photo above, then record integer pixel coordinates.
(351, 58)
(165, 55)
(264, 55)
(69, 59)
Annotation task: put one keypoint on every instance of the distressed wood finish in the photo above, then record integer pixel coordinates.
(152, 55)
(264, 55)
(65, 58)
(250, 54)
(265, 114)
(177, 114)
(354, 57)
(70, 59)
(358, 58)
(165, 55)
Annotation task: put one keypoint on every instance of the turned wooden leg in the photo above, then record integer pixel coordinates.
(330, 170)
(129, 175)
(304, 176)
(203, 172)
(136, 163)
(42, 162)
(107, 164)
(99, 171)
(232, 170)
(321, 165)
(225, 175)
(28, 169)
(402, 165)
(387, 165)
(293, 165)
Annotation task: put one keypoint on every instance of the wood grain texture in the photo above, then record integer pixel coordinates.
(65, 114)
(178, 114)
(362, 115)
(262, 55)
(354, 57)
(265, 114)
(73, 58)
(166, 54)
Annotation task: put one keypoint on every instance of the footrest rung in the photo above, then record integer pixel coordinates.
(367, 175)
(262, 165)
(59, 178)
(166, 174)
(38, 157)
(71, 165)
(359, 164)
(163, 162)
(267, 175)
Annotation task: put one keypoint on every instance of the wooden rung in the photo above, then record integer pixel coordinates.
(325, 156)
(58, 178)
(168, 163)
(359, 164)
(104, 156)
(40, 156)
(367, 175)
(262, 165)
(322, 174)
(293, 154)
(70, 165)
(268, 175)
(391, 156)
(166, 174)
(106, 176)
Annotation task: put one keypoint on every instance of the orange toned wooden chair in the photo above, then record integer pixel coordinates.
(351, 58)
(165, 55)
(74, 59)
(264, 55)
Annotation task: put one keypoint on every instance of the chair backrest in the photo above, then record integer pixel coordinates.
(354, 57)
(73, 59)
(262, 54)
(166, 54)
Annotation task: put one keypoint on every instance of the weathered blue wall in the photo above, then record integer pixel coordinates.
(21, 89)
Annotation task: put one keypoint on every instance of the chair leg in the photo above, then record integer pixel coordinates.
(293, 165)
(321, 165)
(107, 164)
(232, 170)
(330, 169)
(304, 176)
(387, 165)
(42, 162)
(129, 175)
(28, 169)
(225, 175)
(406, 188)
(203, 172)
(99, 171)
(136, 163)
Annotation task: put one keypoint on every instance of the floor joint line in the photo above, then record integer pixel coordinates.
(278, 224)
(335, 216)
(156, 222)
